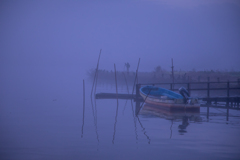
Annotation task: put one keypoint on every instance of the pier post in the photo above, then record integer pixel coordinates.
(207, 111)
(188, 88)
(137, 91)
(208, 93)
(227, 112)
(227, 94)
(238, 100)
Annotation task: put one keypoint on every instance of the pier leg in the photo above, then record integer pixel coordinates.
(227, 104)
(137, 91)
(238, 102)
(208, 93)
(207, 111)
(227, 112)
(188, 88)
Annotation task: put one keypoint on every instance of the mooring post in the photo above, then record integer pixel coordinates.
(137, 91)
(238, 100)
(208, 89)
(227, 93)
(188, 88)
(207, 111)
(227, 112)
(208, 93)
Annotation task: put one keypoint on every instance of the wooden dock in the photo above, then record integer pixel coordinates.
(231, 101)
(114, 96)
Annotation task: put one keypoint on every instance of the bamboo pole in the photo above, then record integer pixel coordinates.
(116, 82)
(136, 76)
(96, 71)
(172, 71)
(126, 82)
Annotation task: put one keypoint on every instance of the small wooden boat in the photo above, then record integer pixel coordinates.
(166, 98)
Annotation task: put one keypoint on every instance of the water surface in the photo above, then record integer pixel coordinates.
(50, 126)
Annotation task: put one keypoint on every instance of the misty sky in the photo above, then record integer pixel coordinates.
(197, 34)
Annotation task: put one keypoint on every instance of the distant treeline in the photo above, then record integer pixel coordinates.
(163, 76)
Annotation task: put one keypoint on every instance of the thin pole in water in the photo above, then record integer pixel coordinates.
(116, 81)
(172, 71)
(136, 76)
(115, 124)
(96, 71)
(83, 107)
(126, 82)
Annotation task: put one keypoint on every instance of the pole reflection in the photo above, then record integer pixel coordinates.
(173, 115)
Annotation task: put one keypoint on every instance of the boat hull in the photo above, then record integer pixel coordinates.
(171, 104)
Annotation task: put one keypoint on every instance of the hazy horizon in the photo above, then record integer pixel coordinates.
(51, 34)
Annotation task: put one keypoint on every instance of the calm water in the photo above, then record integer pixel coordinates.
(48, 124)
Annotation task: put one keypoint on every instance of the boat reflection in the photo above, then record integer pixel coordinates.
(172, 115)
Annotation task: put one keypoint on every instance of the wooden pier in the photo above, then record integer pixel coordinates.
(230, 101)
(114, 96)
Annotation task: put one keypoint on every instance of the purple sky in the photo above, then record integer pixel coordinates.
(197, 34)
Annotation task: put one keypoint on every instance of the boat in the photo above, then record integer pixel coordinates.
(168, 99)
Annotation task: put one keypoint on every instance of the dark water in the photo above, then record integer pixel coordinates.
(50, 126)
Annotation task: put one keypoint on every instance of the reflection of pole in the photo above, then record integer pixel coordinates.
(137, 108)
(134, 120)
(83, 107)
(144, 131)
(171, 130)
(115, 124)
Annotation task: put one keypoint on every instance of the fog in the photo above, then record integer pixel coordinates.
(52, 34)
(48, 43)
(47, 48)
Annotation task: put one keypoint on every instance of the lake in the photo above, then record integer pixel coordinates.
(49, 124)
